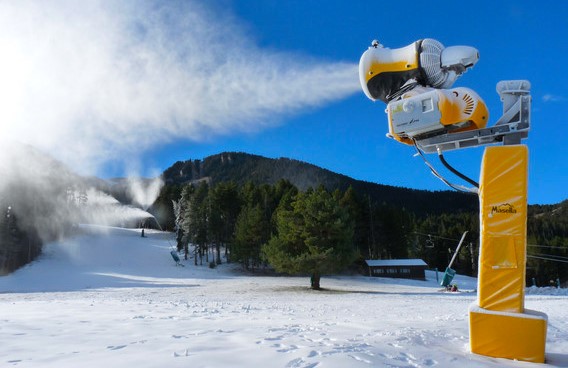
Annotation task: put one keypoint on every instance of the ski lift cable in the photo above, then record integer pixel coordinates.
(548, 259)
(435, 236)
(551, 256)
(528, 245)
(547, 246)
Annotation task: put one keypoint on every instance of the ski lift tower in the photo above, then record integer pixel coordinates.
(425, 112)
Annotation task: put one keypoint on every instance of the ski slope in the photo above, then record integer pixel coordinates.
(110, 298)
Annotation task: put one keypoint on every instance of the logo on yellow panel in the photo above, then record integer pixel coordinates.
(503, 208)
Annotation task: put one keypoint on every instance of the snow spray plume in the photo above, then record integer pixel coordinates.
(45, 198)
(144, 191)
(102, 80)
(103, 209)
(34, 190)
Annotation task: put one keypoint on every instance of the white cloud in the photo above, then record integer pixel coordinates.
(93, 81)
(553, 98)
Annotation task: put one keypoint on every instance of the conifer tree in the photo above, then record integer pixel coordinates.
(250, 233)
(314, 237)
(224, 207)
(196, 216)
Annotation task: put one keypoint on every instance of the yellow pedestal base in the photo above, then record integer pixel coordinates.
(519, 336)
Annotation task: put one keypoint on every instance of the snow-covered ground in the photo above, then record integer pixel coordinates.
(111, 298)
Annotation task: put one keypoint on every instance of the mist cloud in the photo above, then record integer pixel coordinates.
(93, 81)
(144, 192)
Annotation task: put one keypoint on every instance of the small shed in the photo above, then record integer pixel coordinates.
(398, 268)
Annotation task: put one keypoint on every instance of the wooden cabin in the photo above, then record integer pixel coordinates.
(397, 268)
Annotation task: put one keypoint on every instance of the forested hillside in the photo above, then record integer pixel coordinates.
(389, 222)
(238, 191)
(548, 243)
(241, 168)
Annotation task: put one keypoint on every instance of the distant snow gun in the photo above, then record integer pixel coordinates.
(450, 272)
(424, 110)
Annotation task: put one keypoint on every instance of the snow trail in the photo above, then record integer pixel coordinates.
(111, 297)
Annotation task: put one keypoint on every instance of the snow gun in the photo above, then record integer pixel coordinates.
(424, 111)
(414, 81)
(450, 272)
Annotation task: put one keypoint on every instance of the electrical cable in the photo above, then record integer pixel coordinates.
(459, 174)
(460, 188)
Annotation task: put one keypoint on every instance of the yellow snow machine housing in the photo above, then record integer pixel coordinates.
(414, 81)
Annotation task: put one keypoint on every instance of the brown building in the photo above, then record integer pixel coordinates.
(397, 268)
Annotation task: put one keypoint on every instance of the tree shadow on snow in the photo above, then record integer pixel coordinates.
(335, 291)
(557, 360)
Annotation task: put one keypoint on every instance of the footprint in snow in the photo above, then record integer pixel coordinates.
(430, 362)
(118, 347)
(276, 338)
(286, 349)
(186, 353)
(360, 359)
(299, 363)
(314, 353)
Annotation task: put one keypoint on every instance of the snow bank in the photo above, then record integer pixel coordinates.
(549, 290)
(112, 298)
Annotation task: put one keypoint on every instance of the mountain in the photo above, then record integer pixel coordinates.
(548, 224)
(549, 210)
(242, 167)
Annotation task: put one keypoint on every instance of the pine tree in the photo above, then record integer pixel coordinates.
(183, 235)
(359, 213)
(195, 219)
(315, 236)
(5, 237)
(250, 234)
(224, 205)
(12, 252)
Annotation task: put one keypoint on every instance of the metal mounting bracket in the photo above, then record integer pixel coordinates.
(511, 128)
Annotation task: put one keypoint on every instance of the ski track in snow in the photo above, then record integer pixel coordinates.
(116, 299)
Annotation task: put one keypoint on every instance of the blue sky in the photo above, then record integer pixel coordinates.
(516, 40)
(303, 103)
